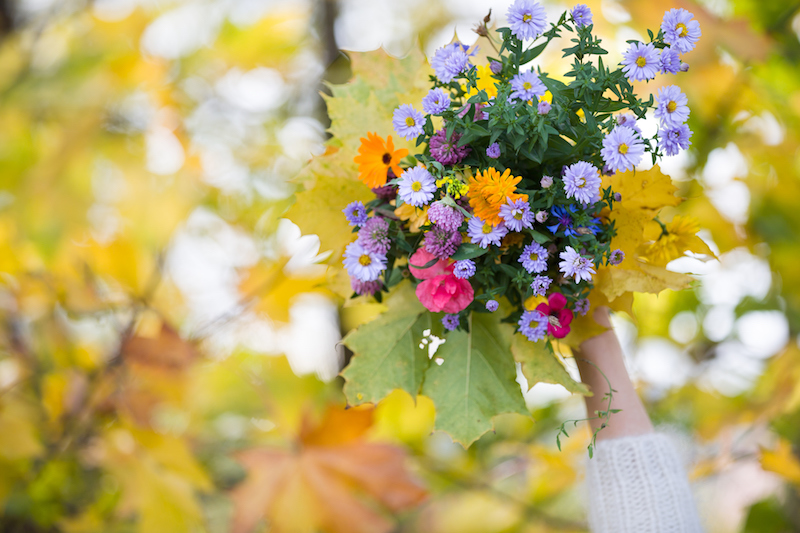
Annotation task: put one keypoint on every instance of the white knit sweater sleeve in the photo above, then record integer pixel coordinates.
(637, 485)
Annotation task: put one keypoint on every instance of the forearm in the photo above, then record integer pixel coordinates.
(604, 352)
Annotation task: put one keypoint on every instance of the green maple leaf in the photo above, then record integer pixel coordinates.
(476, 381)
(540, 365)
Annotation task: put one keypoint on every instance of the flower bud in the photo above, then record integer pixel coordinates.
(541, 216)
(496, 67)
(684, 67)
(617, 197)
(544, 107)
(546, 182)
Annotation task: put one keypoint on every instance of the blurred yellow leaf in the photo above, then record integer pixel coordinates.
(782, 461)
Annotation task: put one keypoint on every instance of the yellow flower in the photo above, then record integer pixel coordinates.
(374, 159)
(548, 97)
(455, 187)
(489, 190)
(485, 82)
(416, 217)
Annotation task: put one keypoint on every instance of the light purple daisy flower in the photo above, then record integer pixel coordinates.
(582, 182)
(492, 305)
(416, 186)
(450, 322)
(546, 182)
(363, 264)
(670, 61)
(408, 122)
(680, 30)
(355, 213)
(445, 216)
(622, 149)
(516, 214)
(616, 257)
(671, 108)
(483, 234)
(493, 151)
(540, 285)
(527, 19)
(533, 324)
(640, 61)
(436, 101)
(575, 265)
(447, 151)
(464, 269)
(367, 288)
(582, 306)
(449, 61)
(534, 258)
(544, 107)
(629, 120)
(374, 236)
(442, 242)
(673, 140)
(582, 15)
(526, 86)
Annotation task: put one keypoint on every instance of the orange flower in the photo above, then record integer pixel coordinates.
(374, 159)
(489, 190)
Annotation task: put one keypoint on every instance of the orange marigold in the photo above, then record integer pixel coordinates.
(489, 190)
(375, 157)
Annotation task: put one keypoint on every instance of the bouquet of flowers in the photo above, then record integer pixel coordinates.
(502, 208)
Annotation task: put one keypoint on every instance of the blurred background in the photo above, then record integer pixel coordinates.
(165, 331)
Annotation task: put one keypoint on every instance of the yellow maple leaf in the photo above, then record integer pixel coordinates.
(672, 240)
(782, 461)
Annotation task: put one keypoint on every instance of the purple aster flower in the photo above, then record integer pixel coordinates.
(416, 186)
(355, 213)
(492, 305)
(464, 269)
(493, 151)
(449, 61)
(543, 108)
(367, 288)
(534, 258)
(582, 15)
(445, 216)
(671, 108)
(546, 182)
(496, 67)
(374, 236)
(533, 324)
(483, 234)
(582, 306)
(408, 122)
(582, 182)
(640, 61)
(680, 30)
(628, 120)
(541, 216)
(442, 242)
(436, 101)
(450, 322)
(540, 285)
(673, 140)
(363, 264)
(575, 265)
(447, 152)
(527, 19)
(616, 257)
(516, 214)
(670, 61)
(526, 86)
(622, 149)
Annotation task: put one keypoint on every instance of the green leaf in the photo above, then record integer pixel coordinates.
(539, 364)
(387, 350)
(476, 382)
(468, 251)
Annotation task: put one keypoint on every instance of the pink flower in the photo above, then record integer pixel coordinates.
(445, 293)
(421, 258)
(558, 316)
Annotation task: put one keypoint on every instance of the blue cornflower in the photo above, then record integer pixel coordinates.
(492, 306)
(436, 101)
(450, 322)
(533, 324)
(640, 61)
(582, 15)
(527, 19)
(526, 86)
(622, 149)
(355, 213)
(671, 108)
(563, 218)
(680, 30)
(493, 151)
(408, 122)
(416, 186)
(670, 61)
(464, 269)
(540, 285)
(673, 140)
(534, 258)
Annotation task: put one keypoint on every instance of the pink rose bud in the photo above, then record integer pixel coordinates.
(546, 182)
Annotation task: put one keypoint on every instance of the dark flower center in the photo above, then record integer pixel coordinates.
(387, 158)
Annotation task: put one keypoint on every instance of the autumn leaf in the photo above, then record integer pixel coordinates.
(782, 461)
(333, 481)
(541, 365)
(166, 350)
